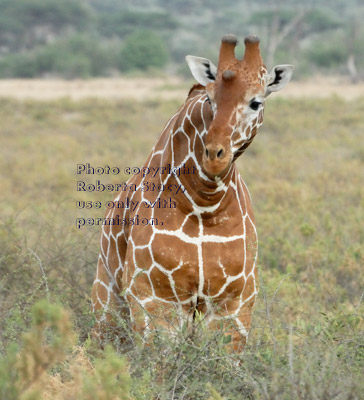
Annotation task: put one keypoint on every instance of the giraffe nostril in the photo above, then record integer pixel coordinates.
(206, 153)
(220, 153)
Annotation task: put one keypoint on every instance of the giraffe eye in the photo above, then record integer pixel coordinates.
(254, 105)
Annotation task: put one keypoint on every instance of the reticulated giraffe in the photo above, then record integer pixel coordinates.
(199, 254)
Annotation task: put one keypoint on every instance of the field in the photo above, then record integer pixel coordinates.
(305, 174)
(172, 88)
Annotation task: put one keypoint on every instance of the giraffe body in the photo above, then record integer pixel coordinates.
(198, 254)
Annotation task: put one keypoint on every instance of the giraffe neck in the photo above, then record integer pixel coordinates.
(181, 146)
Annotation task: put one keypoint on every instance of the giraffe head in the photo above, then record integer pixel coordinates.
(236, 90)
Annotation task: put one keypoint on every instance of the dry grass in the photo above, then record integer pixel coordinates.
(142, 89)
(304, 171)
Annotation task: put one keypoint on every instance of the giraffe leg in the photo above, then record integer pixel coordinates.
(235, 321)
(108, 306)
(148, 316)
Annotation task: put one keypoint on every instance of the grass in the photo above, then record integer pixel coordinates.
(304, 172)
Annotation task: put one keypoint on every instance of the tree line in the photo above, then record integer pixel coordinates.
(84, 38)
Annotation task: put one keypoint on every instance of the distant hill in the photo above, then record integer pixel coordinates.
(84, 38)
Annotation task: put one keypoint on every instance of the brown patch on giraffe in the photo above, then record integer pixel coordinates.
(228, 305)
(198, 122)
(251, 246)
(186, 127)
(161, 285)
(214, 279)
(141, 287)
(155, 163)
(254, 132)
(250, 304)
(102, 292)
(163, 176)
(149, 198)
(235, 137)
(186, 280)
(207, 114)
(199, 148)
(191, 227)
(230, 254)
(260, 117)
(249, 286)
(115, 229)
(190, 164)
(146, 208)
(166, 158)
(180, 140)
(121, 247)
(142, 234)
(112, 257)
(172, 218)
(215, 224)
(171, 253)
(140, 196)
(233, 290)
(143, 259)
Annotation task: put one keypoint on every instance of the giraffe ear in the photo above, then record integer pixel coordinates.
(202, 69)
(279, 77)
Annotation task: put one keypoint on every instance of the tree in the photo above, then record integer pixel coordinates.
(124, 23)
(143, 49)
(27, 23)
(279, 24)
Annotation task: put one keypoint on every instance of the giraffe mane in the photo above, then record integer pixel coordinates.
(196, 87)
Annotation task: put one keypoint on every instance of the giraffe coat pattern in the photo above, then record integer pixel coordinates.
(199, 256)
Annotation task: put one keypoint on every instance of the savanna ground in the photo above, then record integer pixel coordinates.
(305, 174)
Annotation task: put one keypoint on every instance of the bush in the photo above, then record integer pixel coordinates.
(46, 343)
(75, 56)
(72, 57)
(76, 66)
(36, 370)
(22, 21)
(19, 66)
(142, 50)
(327, 54)
(126, 22)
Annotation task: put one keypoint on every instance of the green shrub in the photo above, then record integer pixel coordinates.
(75, 66)
(19, 65)
(127, 22)
(46, 343)
(143, 50)
(327, 54)
(75, 56)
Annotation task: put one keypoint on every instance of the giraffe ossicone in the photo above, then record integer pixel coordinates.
(202, 258)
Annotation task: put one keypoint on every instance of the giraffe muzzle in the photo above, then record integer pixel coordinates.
(216, 159)
(212, 152)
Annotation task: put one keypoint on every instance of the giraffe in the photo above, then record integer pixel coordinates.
(195, 255)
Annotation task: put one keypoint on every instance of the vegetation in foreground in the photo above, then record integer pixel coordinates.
(304, 172)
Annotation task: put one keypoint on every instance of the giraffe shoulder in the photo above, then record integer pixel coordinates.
(196, 87)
